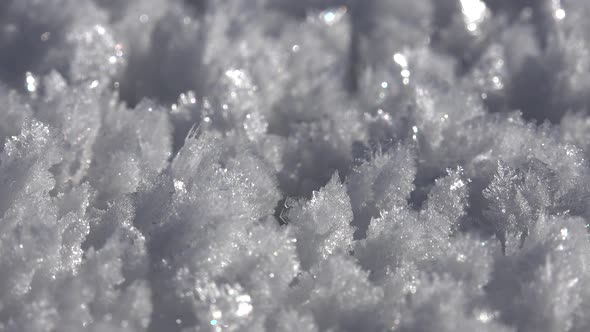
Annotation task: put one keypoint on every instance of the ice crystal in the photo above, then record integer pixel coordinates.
(275, 165)
(320, 235)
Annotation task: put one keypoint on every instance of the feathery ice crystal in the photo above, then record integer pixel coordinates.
(277, 165)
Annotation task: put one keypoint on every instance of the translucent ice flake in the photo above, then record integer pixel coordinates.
(519, 197)
(240, 179)
(196, 153)
(401, 238)
(31, 233)
(249, 176)
(491, 77)
(153, 134)
(72, 207)
(447, 202)
(42, 235)
(128, 143)
(13, 114)
(575, 128)
(28, 157)
(97, 56)
(322, 225)
(116, 224)
(76, 112)
(381, 184)
(106, 299)
(509, 211)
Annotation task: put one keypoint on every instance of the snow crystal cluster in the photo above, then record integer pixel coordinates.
(309, 165)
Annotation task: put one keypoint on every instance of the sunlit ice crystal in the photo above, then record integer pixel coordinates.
(444, 215)
(63, 105)
(15, 113)
(142, 144)
(464, 27)
(240, 105)
(320, 235)
(193, 165)
(575, 129)
(97, 56)
(491, 76)
(474, 13)
(255, 126)
(380, 184)
(224, 308)
(25, 157)
(393, 242)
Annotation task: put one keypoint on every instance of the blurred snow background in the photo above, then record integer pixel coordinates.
(278, 165)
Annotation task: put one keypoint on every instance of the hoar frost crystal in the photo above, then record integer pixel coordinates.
(276, 165)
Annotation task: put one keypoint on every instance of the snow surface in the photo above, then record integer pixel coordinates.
(280, 165)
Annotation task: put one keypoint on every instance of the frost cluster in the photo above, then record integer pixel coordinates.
(279, 165)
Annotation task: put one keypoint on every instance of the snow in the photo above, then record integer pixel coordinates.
(275, 165)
